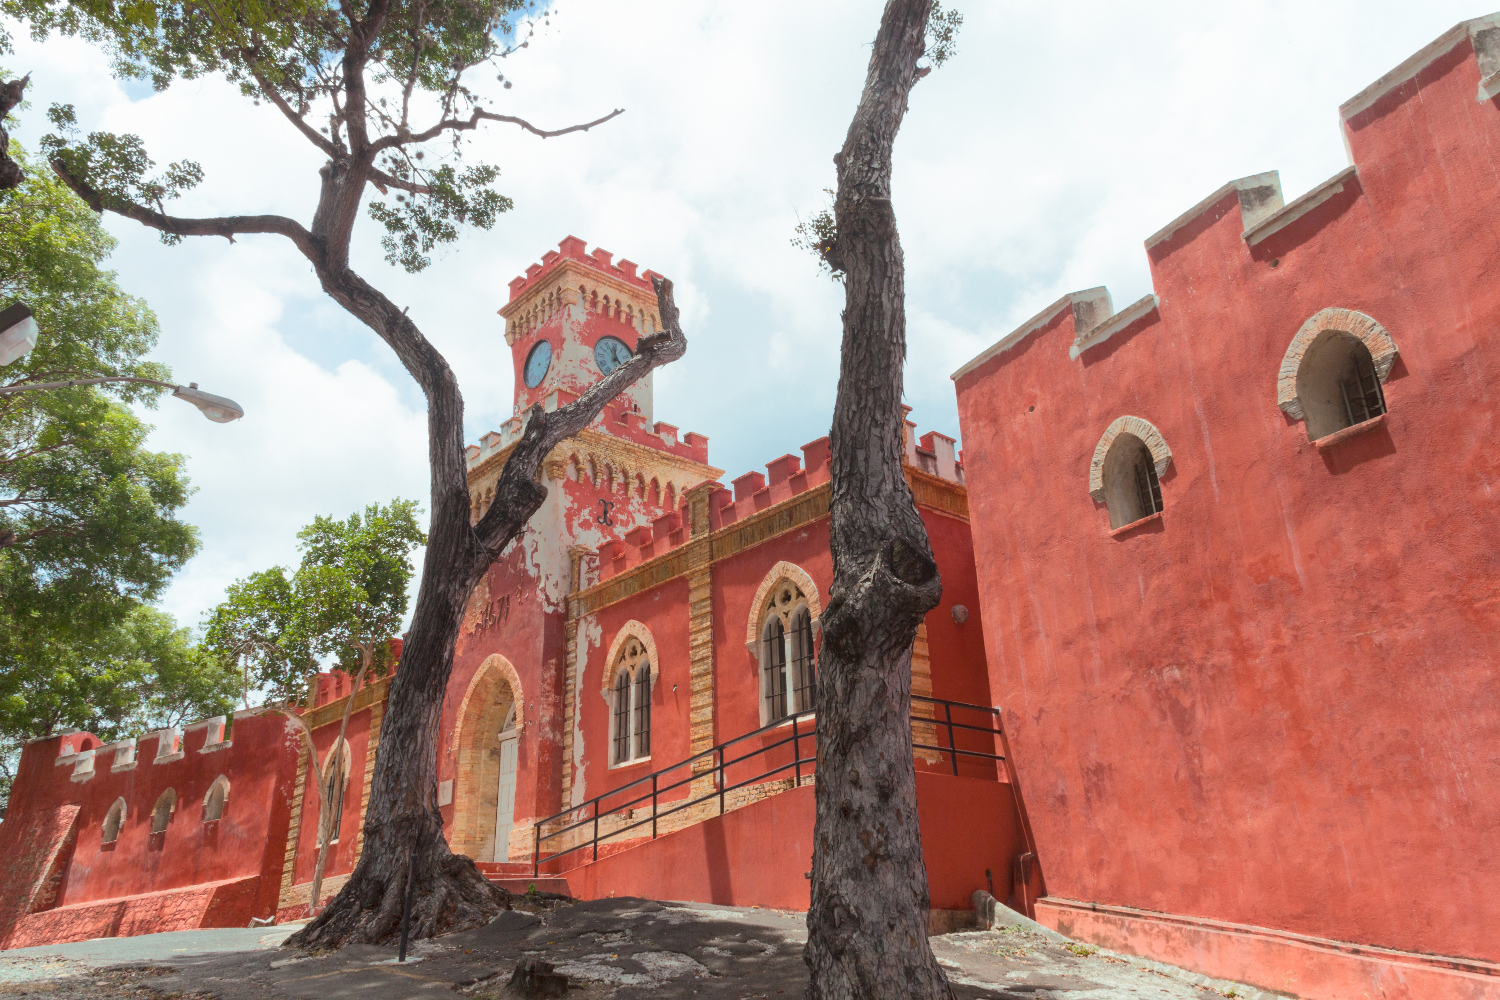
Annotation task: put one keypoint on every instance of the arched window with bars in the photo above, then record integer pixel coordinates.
(788, 661)
(630, 704)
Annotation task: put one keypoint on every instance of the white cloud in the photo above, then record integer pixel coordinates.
(1034, 163)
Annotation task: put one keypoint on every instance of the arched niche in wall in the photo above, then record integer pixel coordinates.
(161, 813)
(1333, 373)
(113, 821)
(493, 693)
(1124, 474)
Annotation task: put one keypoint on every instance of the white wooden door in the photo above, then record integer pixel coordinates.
(505, 812)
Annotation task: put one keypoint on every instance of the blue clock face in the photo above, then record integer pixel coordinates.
(537, 363)
(610, 353)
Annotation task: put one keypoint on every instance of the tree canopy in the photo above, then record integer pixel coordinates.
(348, 597)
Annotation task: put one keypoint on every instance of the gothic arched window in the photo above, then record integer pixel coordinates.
(630, 704)
(1131, 488)
(788, 664)
(335, 785)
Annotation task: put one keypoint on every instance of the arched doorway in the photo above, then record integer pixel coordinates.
(487, 745)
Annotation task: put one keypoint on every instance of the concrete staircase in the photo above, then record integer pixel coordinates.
(516, 877)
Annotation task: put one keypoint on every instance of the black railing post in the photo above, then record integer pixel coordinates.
(797, 752)
(952, 747)
(653, 807)
(721, 782)
(596, 829)
(536, 849)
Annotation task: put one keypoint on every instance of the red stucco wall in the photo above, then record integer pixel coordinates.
(201, 874)
(1276, 705)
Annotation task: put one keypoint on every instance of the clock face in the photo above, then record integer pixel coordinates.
(610, 353)
(537, 363)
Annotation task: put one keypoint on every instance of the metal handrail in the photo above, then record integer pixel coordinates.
(718, 764)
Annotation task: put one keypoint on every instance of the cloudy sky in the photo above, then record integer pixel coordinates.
(1034, 163)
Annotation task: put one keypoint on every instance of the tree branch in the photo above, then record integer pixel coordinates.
(226, 226)
(274, 96)
(459, 125)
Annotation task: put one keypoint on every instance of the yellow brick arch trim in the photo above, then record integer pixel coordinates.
(781, 571)
(630, 630)
(494, 667)
(1161, 455)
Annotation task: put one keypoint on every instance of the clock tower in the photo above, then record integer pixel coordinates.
(574, 318)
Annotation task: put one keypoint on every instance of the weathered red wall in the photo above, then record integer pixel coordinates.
(341, 853)
(1276, 705)
(201, 874)
(758, 855)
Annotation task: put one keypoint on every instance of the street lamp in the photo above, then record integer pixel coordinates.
(17, 333)
(18, 336)
(216, 408)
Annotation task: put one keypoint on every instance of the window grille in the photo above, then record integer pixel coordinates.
(643, 710)
(1360, 388)
(804, 664)
(333, 798)
(1147, 486)
(775, 669)
(622, 717)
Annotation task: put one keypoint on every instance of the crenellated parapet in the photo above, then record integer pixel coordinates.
(568, 276)
(88, 757)
(1269, 226)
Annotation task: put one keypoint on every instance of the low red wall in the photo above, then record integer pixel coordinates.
(1294, 964)
(759, 855)
(230, 903)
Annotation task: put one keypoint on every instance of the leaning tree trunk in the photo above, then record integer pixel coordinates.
(402, 824)
(867, 928)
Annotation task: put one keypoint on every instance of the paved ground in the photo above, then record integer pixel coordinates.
(614, 949)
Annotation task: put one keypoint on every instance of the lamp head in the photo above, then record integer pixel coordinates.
(216, 408)
(17, 333)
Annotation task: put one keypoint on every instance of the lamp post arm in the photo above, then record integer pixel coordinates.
(216, 408)
(13, 389)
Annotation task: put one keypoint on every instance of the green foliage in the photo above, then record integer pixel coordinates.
(292, 53)
(116, 164)
(88, 517)
(942, 34)
(345, 600)
(816, 235)
(415, 226)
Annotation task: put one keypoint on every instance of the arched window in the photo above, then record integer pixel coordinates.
(1124, 474)
(1332, 373)
(788, 665)
(335, 785)
(1131, 487)
(1337, 384)
(630, 704)
(113, 820)
(213, 802)
(161, 813)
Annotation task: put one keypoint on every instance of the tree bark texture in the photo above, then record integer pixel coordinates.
(11, 93)
(402, 821)
(867, 926)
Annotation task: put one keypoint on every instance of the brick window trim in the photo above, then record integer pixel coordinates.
(630, 630)
(1161, 455)
(800, 579)
(1376, 338)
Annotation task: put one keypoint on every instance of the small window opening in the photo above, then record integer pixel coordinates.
(643, 710)
(113, 820)
(213, 802)
(804, 663)
(622, 717)
(1132, 490)
(1337, 384)
(775, 669)
(335, 785)
(161, 815)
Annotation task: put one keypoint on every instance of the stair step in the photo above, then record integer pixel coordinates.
(517, 868)
(542, 883)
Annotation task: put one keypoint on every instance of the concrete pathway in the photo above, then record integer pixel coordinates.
(613, 949)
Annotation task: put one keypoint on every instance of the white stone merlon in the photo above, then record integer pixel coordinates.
(1090, 307)
(1114, 325)
(1296, 209)
(1260, 195)
(124, 751)
(1483, 32)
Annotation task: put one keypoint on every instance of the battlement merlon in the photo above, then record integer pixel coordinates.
(1263, 210)
(566, 275)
